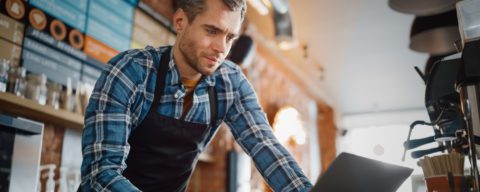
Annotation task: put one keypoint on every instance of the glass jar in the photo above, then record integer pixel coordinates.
(37, 88)
(53, 94)
(4, 66)
(16, 81)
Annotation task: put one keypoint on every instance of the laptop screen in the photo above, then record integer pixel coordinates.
(350, 173)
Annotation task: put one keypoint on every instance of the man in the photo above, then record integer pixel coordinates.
(153, 111)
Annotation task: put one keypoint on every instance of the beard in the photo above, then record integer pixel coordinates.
(188, 48)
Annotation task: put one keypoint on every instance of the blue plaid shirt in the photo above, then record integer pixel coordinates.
(124, 93)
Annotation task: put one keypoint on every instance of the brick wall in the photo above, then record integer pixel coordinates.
(274, 91)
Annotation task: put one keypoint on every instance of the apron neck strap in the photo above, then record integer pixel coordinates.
(160, 86)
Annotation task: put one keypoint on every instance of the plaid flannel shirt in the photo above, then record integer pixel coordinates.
(124, 93)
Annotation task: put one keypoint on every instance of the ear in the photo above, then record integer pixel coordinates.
(180, 20)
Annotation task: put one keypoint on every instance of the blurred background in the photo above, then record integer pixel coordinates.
(332, 76)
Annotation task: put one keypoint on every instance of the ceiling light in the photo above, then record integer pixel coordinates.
(280, 5)
(284, 30)
(435, 34)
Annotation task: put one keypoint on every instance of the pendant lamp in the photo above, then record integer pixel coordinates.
(435, 34)
(422, 7)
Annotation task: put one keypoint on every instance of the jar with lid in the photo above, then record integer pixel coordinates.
(16, 81)
(4, 66)
(53, 94)
(37, 88)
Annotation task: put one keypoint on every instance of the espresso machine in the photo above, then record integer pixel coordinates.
(452, 96)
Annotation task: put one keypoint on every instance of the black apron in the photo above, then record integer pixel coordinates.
(164, 150)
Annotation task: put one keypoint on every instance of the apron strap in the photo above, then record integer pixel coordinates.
(212, 96)
(161, 75)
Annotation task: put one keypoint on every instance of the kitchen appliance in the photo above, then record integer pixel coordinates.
(20, 149)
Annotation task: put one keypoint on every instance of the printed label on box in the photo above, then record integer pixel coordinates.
(10, 52)
(145, 38)
(11, 30)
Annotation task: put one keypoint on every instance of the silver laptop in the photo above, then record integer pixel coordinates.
(350, 173)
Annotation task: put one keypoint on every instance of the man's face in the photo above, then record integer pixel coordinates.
(205, 42)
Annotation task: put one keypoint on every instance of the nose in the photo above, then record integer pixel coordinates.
(220, 45)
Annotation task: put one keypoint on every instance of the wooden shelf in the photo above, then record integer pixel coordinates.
(14, 105)
(11, 104)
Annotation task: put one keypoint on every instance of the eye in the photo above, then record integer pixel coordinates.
(211, 31)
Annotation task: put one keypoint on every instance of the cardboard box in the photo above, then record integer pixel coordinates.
(150, 25)
(10, 52)
(98, 50)
(142, 37)
(136, 45)
(62, 10)
(11, 30)
(110, 19)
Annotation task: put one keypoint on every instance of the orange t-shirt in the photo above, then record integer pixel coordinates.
(190, 85)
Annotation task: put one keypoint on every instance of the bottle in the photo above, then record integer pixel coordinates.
(53, 94)
(66, 99)
(62, 181)
(37, 88)
(16, 81)
(77, 100)
(74, 183)
(50, 185)
(39, 186)
(4, 67)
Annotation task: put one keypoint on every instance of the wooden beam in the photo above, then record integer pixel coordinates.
(327, 134)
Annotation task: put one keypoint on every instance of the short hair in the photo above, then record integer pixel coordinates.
(194, 7)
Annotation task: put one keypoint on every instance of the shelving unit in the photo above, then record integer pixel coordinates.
(11, 104)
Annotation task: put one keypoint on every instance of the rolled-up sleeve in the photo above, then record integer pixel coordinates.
(252, 131)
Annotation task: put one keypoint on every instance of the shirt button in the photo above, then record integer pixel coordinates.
(177, 95)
